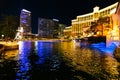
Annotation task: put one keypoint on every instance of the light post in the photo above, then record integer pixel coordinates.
(2, 36)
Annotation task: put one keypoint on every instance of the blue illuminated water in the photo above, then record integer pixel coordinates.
(37, 61)
(103, 48)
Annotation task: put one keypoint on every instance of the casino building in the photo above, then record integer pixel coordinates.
(24, 30)
(99, 21)
(48, 28)
(25, 21)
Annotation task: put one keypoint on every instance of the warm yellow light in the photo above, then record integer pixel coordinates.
(21, 29)
(96, 9)
(2, 35)
(98, 32)
(113, 11)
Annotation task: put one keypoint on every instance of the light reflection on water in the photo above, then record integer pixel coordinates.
(54, 61)
(11, 54)
(36, 56)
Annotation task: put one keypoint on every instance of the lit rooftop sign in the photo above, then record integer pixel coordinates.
(55, 20)
(26, 10)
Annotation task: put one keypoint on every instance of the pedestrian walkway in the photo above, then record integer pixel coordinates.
(8, 42)
(10, 45)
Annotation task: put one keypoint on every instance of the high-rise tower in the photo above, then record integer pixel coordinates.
(25, 21)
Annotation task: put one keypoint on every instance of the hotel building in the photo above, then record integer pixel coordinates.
(81, 26)
(48, 28)
(67, 31)
(25, 21)
(25, 24)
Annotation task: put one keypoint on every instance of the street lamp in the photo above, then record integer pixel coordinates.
(2, 36)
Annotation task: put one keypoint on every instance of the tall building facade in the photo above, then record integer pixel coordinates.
(48, 28)
(25, 24)
(82, 24)
(25, 21)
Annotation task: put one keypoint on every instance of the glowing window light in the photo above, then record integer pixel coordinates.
(24, 21)
(113, 11)
(21, 29)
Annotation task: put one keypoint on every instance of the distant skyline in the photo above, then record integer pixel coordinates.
(63, 10)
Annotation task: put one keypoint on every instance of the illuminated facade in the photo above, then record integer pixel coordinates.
(48, 28)
(25, 21)
(82, 24)
(25, 24)
(114, 34)
(67, 31)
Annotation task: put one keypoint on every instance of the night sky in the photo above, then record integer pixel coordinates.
(63, 10)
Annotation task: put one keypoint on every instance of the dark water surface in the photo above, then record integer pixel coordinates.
(57, 61)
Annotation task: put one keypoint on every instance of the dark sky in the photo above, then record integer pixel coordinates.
(63, 10)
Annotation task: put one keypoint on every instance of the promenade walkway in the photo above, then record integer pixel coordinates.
(9, 45)
(8, 42)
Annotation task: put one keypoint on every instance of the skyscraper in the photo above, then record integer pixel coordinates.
(48, 28)
(25, 21)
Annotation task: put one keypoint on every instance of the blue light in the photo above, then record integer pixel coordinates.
(30, 54)
(44, 50)
(102, 47)
(24, 64)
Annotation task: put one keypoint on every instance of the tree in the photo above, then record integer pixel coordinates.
(93, 27)
(9, 25)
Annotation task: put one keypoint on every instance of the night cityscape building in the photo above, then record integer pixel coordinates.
(67, 31)
(82, 24)
(25, 21)
(24, 29)
(58, 52)
(48, 28)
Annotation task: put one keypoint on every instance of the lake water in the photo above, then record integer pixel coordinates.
(41, 60)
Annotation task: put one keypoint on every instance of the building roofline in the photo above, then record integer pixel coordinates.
(85, 15)
(108, 7)
(117, 7)
(26, 10)
(99, 10)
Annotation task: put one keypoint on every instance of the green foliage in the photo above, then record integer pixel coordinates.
(9, 25)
